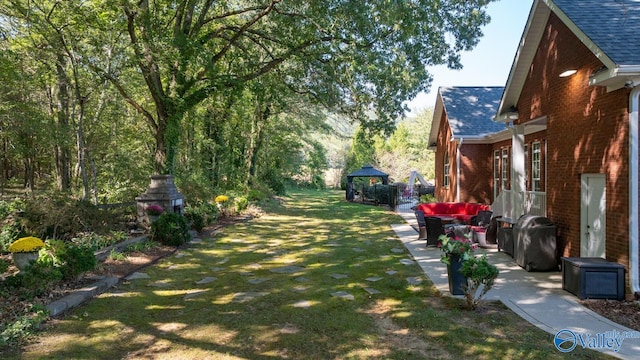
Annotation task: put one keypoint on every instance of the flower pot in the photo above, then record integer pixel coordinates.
(457, 281)
(23, 260)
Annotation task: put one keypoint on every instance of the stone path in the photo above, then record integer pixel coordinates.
(292, 268)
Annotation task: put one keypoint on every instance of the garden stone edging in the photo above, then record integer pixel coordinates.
(79, 296)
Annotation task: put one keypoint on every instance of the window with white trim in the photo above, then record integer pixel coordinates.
(445, 179)
(505, 168)
(535, 167)
(496, 173)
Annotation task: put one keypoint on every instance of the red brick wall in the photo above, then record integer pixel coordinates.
(448, 193)
(587, 132)
(476, 173)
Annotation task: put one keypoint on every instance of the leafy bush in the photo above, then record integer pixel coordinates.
(196, 217)
(8, 234)
(22, 329)
(427, 198)
(59, 217)
(480, 276)
(71, 259)
(241, 203)
(170, 229)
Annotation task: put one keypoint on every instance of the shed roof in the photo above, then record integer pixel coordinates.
(368, 171)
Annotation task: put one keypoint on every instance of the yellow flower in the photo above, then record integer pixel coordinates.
(26, 244)
(222, 198)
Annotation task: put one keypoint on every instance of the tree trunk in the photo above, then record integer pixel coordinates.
(62, 152)
(260, 116)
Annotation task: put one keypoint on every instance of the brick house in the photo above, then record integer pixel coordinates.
(571, 106)
(463, 134)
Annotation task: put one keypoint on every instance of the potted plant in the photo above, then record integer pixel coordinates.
(455, 251)
(469, 275)
(25, 250)
(153, 212)
(480, 276)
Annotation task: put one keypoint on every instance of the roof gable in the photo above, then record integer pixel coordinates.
(470, 111)
(610, 25)
(606, 27)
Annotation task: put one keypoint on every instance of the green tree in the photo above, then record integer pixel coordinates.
(351, 56)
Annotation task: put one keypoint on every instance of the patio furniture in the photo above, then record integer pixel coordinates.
(505, 235)
(593, 278)
(460, 212)
(534, 239)
(434, 230)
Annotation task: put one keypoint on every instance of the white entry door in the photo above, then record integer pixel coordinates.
(593, 215)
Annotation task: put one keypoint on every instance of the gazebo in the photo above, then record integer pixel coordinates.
(366, 171)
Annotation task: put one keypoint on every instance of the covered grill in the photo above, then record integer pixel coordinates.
(535, 246)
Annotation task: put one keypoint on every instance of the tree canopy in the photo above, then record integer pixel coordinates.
(198, 74)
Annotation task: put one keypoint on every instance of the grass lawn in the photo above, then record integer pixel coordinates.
(316, 278)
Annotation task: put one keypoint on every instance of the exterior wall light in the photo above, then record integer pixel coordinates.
(568, 73)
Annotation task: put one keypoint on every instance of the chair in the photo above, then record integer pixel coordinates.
(483, 218)
(434, 230)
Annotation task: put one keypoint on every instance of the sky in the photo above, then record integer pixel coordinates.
(489, 63)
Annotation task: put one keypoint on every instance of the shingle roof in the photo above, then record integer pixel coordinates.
(470, 110)
(611, 24)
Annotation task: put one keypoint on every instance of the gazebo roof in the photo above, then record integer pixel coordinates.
(367, 171)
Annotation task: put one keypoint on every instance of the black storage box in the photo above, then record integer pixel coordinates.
(593, 278)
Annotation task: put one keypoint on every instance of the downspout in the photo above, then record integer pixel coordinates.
(458, 171)
(634, 106)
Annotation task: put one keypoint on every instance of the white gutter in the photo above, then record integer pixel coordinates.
(634, 107)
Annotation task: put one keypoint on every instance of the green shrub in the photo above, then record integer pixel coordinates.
(8, 234)
(22, 329)
(427, 198)
(241, 203)
(170, 229)
(196, 217)
(71, 259)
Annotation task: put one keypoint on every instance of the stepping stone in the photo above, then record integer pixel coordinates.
(216, 268)
(391, 272)
(247, 296)
(301, 279)
(161, 283)
(304, 304)
(299, 288)
(339, 276)
(223, 261)
(206, 280)
(194, 294)
(372, 291)
(397, 250)
(414, 280)
(358, 250)
(407, 262)
(254, 266)
(373, 279)
(180, 255)
(196, 241)
(287, 269)
(137, 275)
(246, 273)
(343, 295)
(256, 281)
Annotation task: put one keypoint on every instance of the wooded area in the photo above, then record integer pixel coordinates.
(96, 95)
